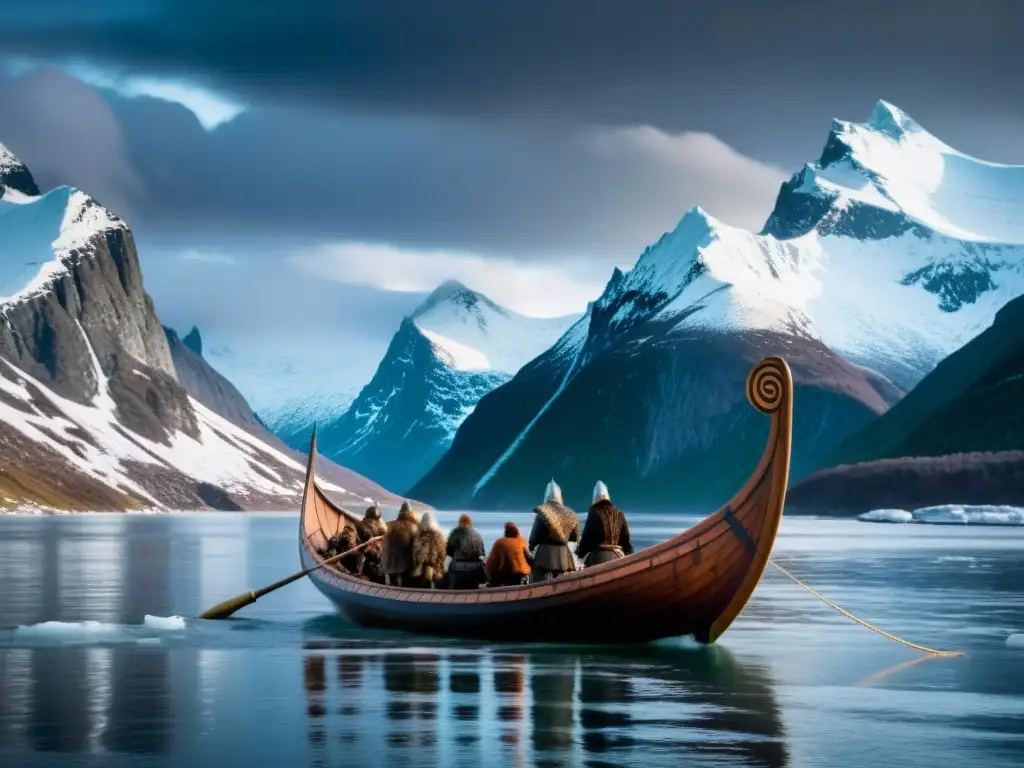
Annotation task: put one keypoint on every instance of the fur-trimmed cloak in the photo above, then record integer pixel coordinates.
(369, 527)
(349, 539)
(428, 554)
(401, 532)
(554, 526)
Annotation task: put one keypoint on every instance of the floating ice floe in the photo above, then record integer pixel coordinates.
(949, 514)
(887, 516)
(1015, 641)
(164, 622)
(87, 632)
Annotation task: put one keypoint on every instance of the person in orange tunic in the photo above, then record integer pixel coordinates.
(510, 561)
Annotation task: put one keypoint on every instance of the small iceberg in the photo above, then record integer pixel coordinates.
(164, 622)
(949, 514)
(63, 629)
(1015, 641)
(92, 632)
(965, 514)
(887, 516)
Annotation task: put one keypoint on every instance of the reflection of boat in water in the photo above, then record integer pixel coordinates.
(554, 707)
(696, 583)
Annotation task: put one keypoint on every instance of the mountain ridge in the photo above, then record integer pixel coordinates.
(839, 271)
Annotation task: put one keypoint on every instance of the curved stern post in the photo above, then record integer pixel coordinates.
(769, 390)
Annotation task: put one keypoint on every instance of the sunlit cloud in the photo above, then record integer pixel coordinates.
(210, 107)
(731, 186)
(536, 290)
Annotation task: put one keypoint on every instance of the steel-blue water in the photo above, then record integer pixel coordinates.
(288, 683)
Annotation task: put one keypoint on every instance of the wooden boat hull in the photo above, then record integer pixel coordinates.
(696, 583)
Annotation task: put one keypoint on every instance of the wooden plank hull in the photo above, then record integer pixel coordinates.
(696, 583)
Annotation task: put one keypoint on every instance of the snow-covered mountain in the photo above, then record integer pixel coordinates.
(892, 250)
(457, 346)
(99, 407)
(290, 382)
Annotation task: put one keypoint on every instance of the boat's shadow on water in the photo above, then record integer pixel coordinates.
(402, 699)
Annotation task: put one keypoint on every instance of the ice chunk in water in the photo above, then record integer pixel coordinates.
(887, 516)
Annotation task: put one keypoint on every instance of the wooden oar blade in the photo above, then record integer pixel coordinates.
(228, 607)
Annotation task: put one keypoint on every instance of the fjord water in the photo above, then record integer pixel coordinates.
(288, 683)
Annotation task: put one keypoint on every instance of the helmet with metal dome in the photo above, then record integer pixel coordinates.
(553, 493)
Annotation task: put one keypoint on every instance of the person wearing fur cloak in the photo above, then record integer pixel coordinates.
(554, 527)
(396, 561)
(606, 532)
(428, 553)
(343, 542)
(466, 549)
(370, 526)
(510, 560)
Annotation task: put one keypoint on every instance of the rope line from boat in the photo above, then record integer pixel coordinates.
(859, 620)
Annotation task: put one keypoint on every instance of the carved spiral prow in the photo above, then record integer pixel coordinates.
(769, 383)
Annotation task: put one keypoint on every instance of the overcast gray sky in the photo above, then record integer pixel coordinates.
(263, 148)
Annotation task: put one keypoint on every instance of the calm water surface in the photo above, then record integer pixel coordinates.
(288, 683)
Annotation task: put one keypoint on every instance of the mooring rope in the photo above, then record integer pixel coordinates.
(859, 620)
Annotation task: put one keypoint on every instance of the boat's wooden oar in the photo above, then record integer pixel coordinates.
(229, 607)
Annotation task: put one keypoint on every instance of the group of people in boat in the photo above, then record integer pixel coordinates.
(414, 549)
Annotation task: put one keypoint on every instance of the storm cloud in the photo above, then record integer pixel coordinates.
(396, 143)
(718, 66)
(298, 176)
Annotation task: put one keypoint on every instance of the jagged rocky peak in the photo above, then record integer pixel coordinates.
(664, 268)
(14, 175)
(193, 341)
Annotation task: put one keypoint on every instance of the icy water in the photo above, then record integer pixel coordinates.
(290, 684)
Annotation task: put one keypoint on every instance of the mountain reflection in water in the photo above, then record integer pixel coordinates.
(544, 707)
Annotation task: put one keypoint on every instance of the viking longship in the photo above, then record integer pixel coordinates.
(695, 583)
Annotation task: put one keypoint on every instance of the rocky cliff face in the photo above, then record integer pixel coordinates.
(93, 325)
(99, 408)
